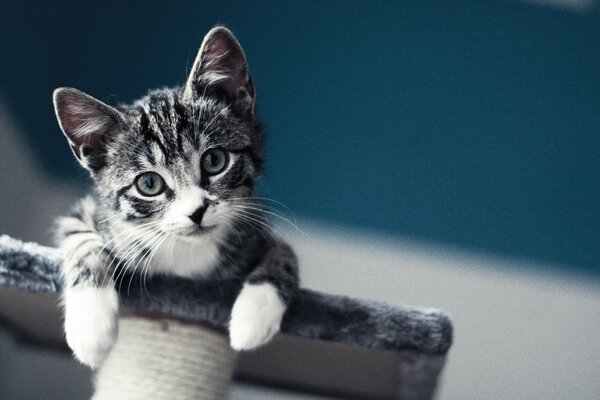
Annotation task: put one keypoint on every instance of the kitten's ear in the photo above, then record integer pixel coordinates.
(87, 123)
(221, 68)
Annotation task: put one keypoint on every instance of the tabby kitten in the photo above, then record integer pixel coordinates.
(173, 176)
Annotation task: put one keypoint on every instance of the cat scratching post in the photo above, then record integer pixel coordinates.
(173, 344)
(165, 359)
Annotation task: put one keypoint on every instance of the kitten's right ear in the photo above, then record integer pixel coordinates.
(88, 125)
(221, 66)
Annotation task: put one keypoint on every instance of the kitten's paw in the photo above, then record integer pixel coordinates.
(256, 316)
(91, 322)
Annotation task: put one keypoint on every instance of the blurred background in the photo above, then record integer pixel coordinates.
(435, 153)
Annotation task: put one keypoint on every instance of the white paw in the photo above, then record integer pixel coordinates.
(256, 316)
(91, 322)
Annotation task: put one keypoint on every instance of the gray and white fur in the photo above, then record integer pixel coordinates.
(174, 175)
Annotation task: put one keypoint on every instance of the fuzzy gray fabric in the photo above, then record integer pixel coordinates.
(313, 315)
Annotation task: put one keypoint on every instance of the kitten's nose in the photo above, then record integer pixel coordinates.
(197, 215)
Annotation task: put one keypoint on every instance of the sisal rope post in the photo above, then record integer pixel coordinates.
(164, 359)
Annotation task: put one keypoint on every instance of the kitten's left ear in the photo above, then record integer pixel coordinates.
(88, 124)
(221, 69)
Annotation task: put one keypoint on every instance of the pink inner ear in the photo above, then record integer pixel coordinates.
(222, 55)
(84, 120)
(221, 63)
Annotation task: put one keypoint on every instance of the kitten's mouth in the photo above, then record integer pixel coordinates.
(196, 231)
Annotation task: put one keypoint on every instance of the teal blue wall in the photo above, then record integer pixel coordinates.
(468, 123)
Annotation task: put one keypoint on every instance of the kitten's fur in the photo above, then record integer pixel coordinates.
(119, 229)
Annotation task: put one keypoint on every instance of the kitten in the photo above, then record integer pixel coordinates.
(174, 175)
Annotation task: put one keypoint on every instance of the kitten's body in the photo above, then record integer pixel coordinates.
(161, 205)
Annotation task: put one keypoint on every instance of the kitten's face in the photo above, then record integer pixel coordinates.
(178, 160)
(182, 165)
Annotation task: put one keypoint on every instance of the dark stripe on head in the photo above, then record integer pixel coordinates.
(149, 156)
(150, 136)
(182, 124)
(159, 111)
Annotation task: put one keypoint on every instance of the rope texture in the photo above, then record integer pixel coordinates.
(165, 359)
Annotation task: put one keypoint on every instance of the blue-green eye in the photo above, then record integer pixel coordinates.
(214, 161)
(150, 184)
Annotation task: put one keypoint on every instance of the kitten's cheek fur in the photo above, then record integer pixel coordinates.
(256, 316)
(91, 323)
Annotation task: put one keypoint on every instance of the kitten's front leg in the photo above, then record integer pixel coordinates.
(259, 308)
(90, 301)
(91, 322)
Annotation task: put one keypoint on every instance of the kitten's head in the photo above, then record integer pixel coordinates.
(178, 159)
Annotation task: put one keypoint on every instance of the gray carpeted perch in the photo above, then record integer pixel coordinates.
(313, 315)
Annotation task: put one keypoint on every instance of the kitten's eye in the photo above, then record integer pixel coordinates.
(150, 184)
(214, 161)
